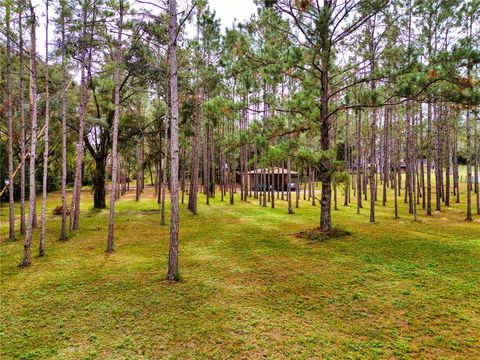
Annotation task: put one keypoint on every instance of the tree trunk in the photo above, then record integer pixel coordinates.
(77, 186)
(164, 170)
(476, 149)
(447, 161)
(41, 250)
(63, 228)
(139, 165)
(99, 177)
(174, 224)
(116, 116)
(183, 171)
(346, 159)
(206, 172)
(33, 137)
(272, 187)
(192, 196)
(385, 156)
(359, 160)
(429, 159)
(422, 162)
(469, 167)
(297, 189)
(22, 122)
(438, 173)
(396, 169)
(11, 204)
(456, 185)
(413, 161)
(373, 162)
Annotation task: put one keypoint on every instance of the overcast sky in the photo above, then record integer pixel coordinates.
(228, 11)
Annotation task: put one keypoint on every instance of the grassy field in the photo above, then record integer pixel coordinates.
(249, 289)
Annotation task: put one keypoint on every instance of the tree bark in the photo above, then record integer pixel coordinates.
(438, 171)
(41, 250)
(456, 185)
(165, 164)
(447, 160)
(192, 196)
(33, 137)
(116, 117)
(476, 150)
(173, 273)
(22, 121)
(11, 204)
(469, 167)
(346, 159)
(373, 162)
(63, 228)
(77, 186)
(386, 140)
(429, 159)
(359, 160)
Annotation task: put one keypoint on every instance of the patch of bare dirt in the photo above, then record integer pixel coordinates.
(318, 234)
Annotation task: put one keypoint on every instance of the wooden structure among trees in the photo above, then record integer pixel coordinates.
(277, 176)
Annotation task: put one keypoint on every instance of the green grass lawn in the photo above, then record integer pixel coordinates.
(249, 289)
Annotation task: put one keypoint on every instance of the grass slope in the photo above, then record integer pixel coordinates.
(249, 289)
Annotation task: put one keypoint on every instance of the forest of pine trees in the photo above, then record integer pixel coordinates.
(365, 102)
(239, 179)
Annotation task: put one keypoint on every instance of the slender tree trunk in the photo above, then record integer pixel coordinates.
(429, 159)
(22, 121)
(192, 196)
(160, 168)
(222, 170)
(346, 152)
(297, 190)
(183, 171)
(373, 162)
(313, 188)
(116, 117)
(396, 169)
(164, 170)
(456, 185)
(63, 228)
(174, 223)
(438, 171)
(139, 166)
(33, 136)
(41, 250)
(206, 172)
(77, 187)
(11, 204)
(385, 156)
(413, 161)
(359, 160)
(447, 161)
(409, 167)
(469, 167)
(476, 149)
(422, 162)
(264, 187)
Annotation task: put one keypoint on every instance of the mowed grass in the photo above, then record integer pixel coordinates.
(249, 289)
